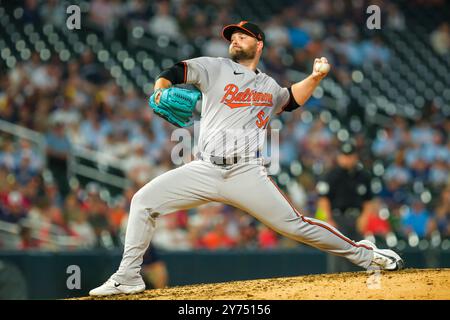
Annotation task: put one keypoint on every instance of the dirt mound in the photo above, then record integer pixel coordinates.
(407, 284)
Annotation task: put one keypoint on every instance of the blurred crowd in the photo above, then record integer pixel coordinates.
(78, 105)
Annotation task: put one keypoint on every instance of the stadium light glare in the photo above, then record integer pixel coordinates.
(39, 45)
(15, 37)
(20, 45)
(378, 168)
(6, 52)
(413, 240)
(53, 38)
(47, 29)
(426, 196)
(122, 55)
(64, 55)
(376, 185)
(391, 239)
(163, 41)
(384, 214)
(11, 62)
(45, 54)
(357, 76)
(128, 64)
(424, 244)
(296, 168)
(148, 64)
(435, 238)
(141, 56)
(138, 32)
(28, 29)
(92, 39)
(59, 46)
(325, 116)
(25, 54)
(334, 125)
(306, 117)
(34, 37)
(318, 92)
(445, 244)
(343, 135)
(284, 178)
(103, 55)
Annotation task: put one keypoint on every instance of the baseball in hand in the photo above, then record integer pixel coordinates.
(323, 67)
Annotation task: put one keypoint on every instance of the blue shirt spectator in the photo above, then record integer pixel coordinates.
(416, 219)
(57, 140)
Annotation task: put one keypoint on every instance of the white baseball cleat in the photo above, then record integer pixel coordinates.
(112, 287)
(384, 258)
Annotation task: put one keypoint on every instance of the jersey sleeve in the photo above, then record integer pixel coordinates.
(201, 72)
(283, 99)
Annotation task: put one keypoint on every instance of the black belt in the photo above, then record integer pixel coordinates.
(221, 161)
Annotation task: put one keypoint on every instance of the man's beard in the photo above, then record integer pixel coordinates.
(242, 54)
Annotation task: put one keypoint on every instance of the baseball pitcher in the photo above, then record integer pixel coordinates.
(238, 101)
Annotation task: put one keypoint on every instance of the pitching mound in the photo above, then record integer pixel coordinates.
(407, 284)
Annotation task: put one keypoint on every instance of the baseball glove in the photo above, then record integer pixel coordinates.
(176, 105)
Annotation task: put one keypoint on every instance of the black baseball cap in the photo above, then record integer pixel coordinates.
(347, 149)
(245, 27)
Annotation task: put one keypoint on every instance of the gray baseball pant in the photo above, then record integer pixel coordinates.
(246, 186)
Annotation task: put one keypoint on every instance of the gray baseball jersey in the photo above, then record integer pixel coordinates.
(237, 105)
(241, 101)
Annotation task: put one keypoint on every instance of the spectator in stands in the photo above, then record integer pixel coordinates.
(58, 150)
(277, 34)
(442, 214)
(267, 238)
(298, 37)
(97, 212)
(53, 12)
(14, 208)
(91, 70)
(385, 144)
(398, 171)
(249, 233)
(163, 23)
(7, 158)
(77, 221)
(395, 18)
(138, 167)
(417, 219)
(107, 118)
(217, 238)
(440, 39)
(170, 236)
(215, 47)
(138, 11)
(104, 14)
(370, 223)
(92, 131)
(31, 12)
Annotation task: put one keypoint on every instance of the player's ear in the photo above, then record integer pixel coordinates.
(260, 45)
